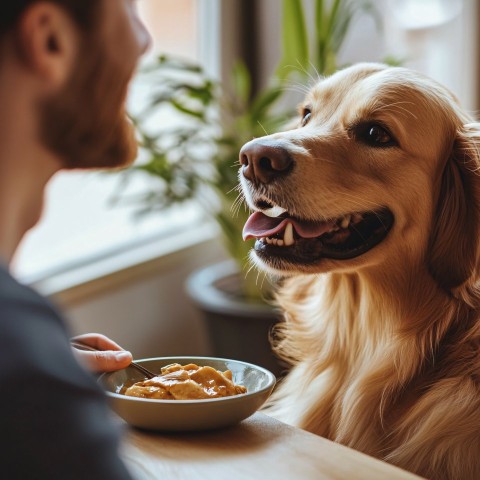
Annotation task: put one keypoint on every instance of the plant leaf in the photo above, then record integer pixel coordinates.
(264, 102)
(294, 40)
(188, 111)
(242, 83)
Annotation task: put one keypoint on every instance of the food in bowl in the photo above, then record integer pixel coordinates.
(188, 415)
(187, 382)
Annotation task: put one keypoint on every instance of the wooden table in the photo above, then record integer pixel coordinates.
(258, 448)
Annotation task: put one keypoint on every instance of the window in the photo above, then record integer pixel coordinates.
(80, 222)
(437, 37)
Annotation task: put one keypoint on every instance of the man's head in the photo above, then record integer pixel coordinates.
(78, 57)
(83, 13)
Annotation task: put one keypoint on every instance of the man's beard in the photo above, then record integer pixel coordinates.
(86, 124)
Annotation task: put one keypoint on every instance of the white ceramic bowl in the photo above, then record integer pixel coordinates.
(189, 415)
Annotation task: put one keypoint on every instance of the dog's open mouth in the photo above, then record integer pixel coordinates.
(301, 241)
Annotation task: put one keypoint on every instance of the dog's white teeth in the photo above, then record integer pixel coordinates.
(288, 239)
(274, 211)
(345, 221)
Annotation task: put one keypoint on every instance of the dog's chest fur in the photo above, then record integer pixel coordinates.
(366, 381)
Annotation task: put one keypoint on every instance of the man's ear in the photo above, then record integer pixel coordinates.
(48, 42)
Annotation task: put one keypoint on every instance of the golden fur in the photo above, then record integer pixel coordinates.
(385, 347)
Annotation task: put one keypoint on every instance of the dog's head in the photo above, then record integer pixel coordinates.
(382, 164)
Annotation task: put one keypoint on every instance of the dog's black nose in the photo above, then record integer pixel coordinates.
(265, 160)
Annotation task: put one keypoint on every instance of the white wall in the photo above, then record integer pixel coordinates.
(149, 313)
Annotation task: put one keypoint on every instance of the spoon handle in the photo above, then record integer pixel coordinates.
(82, 346)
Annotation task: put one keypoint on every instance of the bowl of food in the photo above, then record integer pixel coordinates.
(189, 393)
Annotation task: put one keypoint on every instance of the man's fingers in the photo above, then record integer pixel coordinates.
(106, 361)
(97, 340)
(105, 343)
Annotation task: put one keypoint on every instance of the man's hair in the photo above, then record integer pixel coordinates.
(82, 11)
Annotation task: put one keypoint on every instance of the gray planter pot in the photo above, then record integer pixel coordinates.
(237, 329)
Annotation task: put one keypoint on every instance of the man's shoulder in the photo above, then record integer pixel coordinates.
(15, 294)
(26, 317)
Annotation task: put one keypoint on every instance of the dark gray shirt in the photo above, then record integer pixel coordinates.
(54, 421)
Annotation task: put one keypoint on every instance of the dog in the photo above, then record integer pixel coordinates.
(369, 211)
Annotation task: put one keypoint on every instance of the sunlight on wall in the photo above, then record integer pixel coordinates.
(173, 25)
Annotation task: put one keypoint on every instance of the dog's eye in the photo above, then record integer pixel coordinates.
(307, 114)
(378, 135)
(374, 135)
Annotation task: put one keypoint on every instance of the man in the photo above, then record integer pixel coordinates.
(64, 72)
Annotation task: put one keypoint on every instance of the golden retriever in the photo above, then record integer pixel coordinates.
(369, 209)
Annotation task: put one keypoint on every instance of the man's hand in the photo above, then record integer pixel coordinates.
(111, 357)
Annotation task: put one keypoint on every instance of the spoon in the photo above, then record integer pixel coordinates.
(82, 346)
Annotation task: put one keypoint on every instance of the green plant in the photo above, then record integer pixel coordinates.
(197, 158)
(317, 49)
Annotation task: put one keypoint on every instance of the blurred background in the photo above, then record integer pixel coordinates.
(114, 273)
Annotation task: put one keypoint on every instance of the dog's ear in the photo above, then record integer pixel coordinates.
(455, 237)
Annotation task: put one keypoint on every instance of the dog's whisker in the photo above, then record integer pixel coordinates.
(263, 281)
(257, 279)
(314, 68)
(263, 128)
(293, 67)
(235, 188)
(237, 204)
(296, 88)
(235, 207)
(359, 232)
(252, 266)
(307, 72)
(397, 106)
(234, 211)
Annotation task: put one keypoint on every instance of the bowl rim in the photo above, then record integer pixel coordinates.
(233, 398)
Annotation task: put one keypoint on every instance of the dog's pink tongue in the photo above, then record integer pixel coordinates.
(259, 225)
